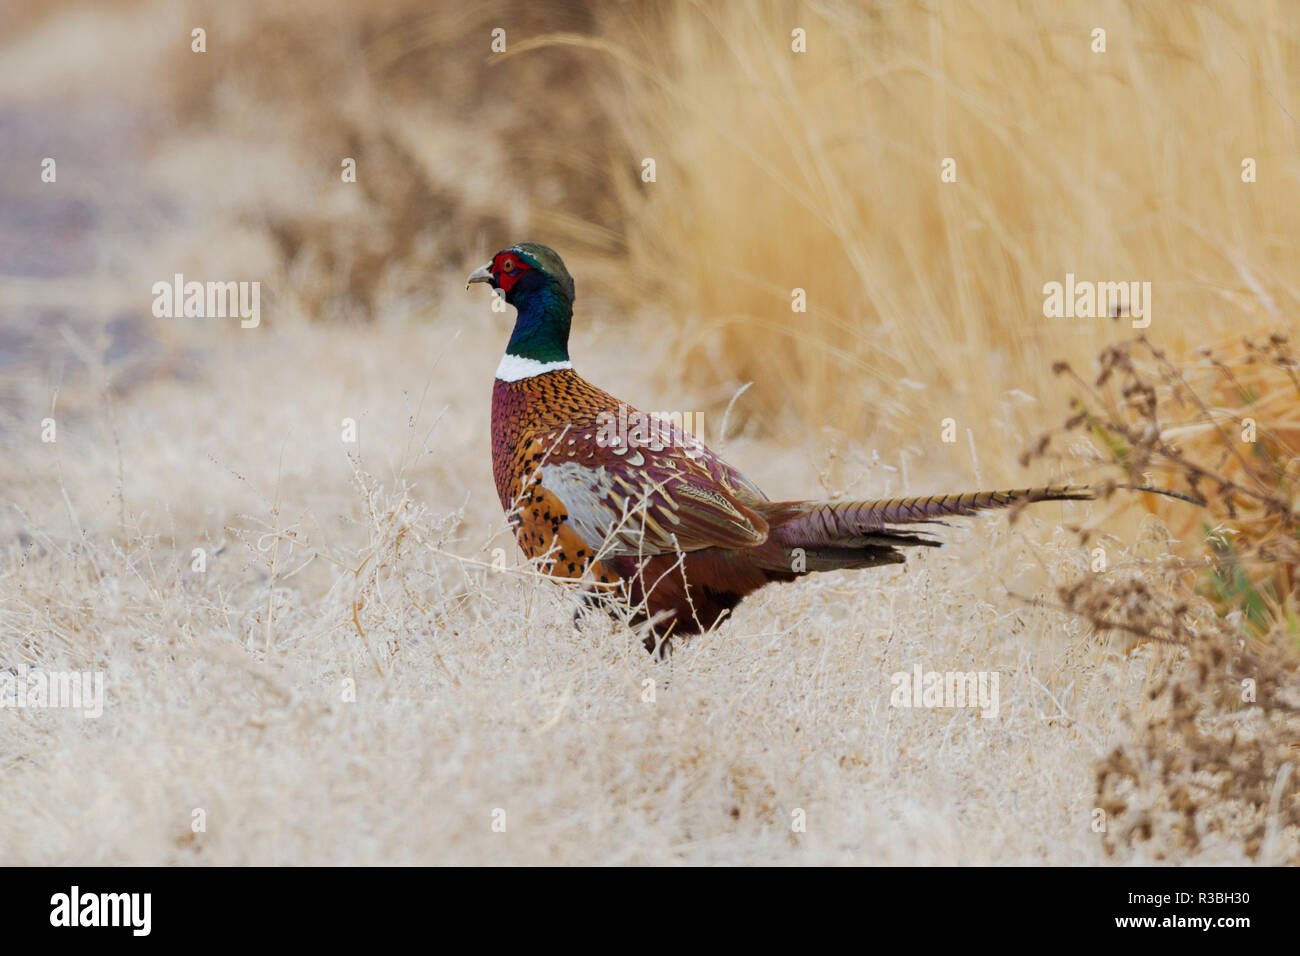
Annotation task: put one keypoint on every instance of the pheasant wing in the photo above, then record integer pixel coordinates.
(632, 498)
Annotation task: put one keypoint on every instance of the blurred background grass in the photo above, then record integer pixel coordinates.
(822, 171)
(775, 170)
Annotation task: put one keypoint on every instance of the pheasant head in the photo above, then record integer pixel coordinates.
(532, 278)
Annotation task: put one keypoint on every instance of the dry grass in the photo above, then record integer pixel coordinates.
(473, 690)
(1215, 749)
(822, 171)
(374, 568)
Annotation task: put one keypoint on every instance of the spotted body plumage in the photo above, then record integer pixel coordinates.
(572, 495)
(662, 523)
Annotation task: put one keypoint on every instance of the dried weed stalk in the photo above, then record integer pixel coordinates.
(1214, 745)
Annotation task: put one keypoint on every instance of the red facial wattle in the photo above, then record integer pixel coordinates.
(507, 268)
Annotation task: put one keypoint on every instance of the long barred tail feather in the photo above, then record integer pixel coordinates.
(860, 523)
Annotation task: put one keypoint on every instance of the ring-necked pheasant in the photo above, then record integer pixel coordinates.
(660, 518)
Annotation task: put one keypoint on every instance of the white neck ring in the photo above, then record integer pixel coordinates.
(515, 368)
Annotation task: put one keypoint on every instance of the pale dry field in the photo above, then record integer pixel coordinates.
(355, 678)
(474, 691)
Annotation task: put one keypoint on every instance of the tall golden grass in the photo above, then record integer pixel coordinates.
(778, 170)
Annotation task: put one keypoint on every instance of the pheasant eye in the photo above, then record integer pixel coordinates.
(508, 265)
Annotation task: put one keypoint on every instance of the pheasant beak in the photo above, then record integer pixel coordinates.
(481, 274)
